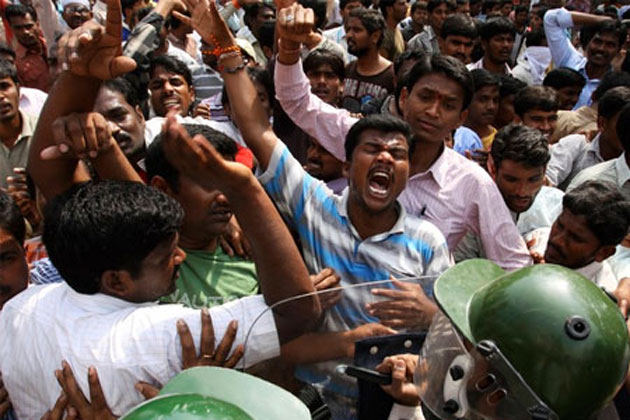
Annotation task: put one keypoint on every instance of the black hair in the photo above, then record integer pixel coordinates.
(448, 66)
(541, 12)
(623, 127)
(6, 49)
(434, 4)
(535, 38)
(606, 210)
(459, 24)
(488, 5)
(610, 80)
(520, 9)
(253, 9)
(319, 9)
(11, 219)
(371, 19)
(142, 13)
(158, 165)
(384, 4)
(127, 4)
(125, 88)
(507, 2)
(385, 123)
(607, 26)
(319, 57)
(266, 33)
(344, 3)
(106, 225)
(418, 4)
(19, 10)
(482, 78)
(564, 77)
(522, 144)
(173, 22)
(535, 97)
(613, 101)
(509, 85)
(7, 69)
(172, 65)
(496, 26)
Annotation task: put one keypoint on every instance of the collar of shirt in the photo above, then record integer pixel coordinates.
(593, 148)
(399, 226)
(28, 126)
(599, 273)
(440, 168)
(623, 172)
(21, 51)
(102, 303)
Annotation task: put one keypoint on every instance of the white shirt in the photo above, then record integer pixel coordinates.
(126, 342)
(569, 156)
(479, 65)
(153, 127)
(615, 171)
(32, 100)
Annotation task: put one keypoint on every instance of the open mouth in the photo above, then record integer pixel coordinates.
(171, 103)
(380, 182)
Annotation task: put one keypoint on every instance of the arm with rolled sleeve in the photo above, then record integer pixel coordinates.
(562, 50)
(327, 124)
(564, 154)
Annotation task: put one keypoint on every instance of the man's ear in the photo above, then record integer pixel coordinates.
(139, 113)
(492, 169)
(375, 36)
(116, 283)
(160, 183)
(402, 99)
(345, 170)
(192, 94)
(604, 252)
(462, 118)
(602, 123)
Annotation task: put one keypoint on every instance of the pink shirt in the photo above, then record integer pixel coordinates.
(455, 194)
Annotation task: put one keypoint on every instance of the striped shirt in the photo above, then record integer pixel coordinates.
(455, 194)
(411, 248)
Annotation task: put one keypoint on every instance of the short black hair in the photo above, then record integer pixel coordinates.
(418, 4)
(607, 26)
(613, 101)
(319, 57)
(267, 33)
(7, 69)
(385, 123)
(488, 5)
(157, 163)
(535, 97)
(459, 24)
(522, 144)
(482, 78)
(140, 14)
(623, 127)
(106, 225)
(535, 38)
(496, 26)
(520, 9)
(128, 4)
(319, 9)
(564, 77)
(606, 210)
(19, 10)
(172, 65)
(11, 219)
(344, 3)
(371, 19)
(610, 80)
(434, 4)
(384, 4)
(125, 88)
(6, 49)
(448, 66)
(253, 9)
(509, 85)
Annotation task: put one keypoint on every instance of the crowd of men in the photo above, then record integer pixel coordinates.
(287, 181)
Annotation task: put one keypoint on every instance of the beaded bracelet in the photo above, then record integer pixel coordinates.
(218, 50)
(229, 54)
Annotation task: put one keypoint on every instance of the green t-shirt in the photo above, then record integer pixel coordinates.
(212, 278)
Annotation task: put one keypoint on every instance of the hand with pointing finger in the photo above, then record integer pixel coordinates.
(94, 50)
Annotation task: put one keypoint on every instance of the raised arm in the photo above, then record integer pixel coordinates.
(329, 125)
(279, 265)
(88, 54)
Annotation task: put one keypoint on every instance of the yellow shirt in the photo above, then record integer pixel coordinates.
(487, 141)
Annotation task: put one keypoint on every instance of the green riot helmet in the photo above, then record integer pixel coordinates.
(539, 343)
(213, 393)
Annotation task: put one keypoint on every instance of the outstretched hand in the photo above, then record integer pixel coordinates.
(197, 159)
(206, 20)
(407, 306)
(93, 50)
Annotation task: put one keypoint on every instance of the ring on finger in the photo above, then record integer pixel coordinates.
(288, 18)
(207, 356)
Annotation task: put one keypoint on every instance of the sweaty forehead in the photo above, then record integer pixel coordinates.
(108, 99)
(390, 138)
(161, 73)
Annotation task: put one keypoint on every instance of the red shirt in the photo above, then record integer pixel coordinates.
(32, 66)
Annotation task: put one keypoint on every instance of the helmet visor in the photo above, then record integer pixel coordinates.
(457, 379)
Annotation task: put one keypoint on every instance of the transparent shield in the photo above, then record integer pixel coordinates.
(360, 326)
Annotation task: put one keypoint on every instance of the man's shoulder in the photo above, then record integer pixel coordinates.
(417, 227)
(604, 171)
(466, 170)
(27, 301)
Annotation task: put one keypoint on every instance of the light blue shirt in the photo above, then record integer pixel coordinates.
(564, 53)
(466, 139)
